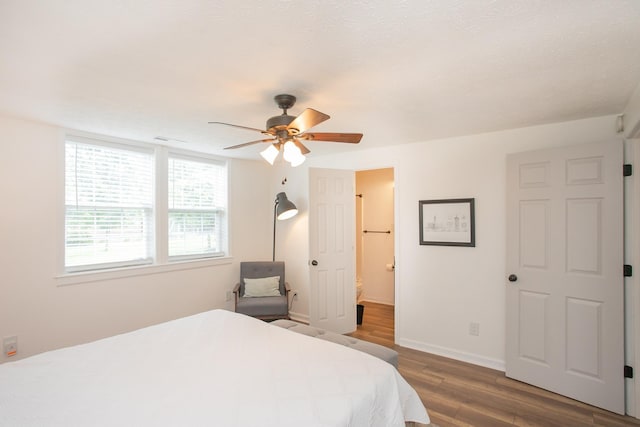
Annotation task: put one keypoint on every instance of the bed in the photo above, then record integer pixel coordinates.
(216, 368)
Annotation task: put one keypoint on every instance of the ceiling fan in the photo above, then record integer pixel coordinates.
(286, 132)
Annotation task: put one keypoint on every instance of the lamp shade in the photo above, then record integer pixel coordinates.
(285, 208)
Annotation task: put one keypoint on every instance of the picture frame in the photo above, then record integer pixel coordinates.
(447, 222)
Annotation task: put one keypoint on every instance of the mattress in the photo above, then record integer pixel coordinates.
(215, 368)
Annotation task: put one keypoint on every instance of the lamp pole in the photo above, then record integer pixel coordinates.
(275, 207)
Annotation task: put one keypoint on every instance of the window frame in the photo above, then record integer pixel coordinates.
(223, 210)
(160, 261)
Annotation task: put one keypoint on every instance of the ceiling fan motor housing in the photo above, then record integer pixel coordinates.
(276, 123)
(280, 122)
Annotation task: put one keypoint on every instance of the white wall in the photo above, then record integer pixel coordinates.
(440, 290)
(632, 116)
(377, 249)
(44, 312)
(444, 286)
(292, 243)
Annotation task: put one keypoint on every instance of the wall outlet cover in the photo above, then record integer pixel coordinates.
(10, 346)
(474, 329)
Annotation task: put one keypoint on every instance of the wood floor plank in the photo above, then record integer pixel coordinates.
(461, 394)
(480, 418)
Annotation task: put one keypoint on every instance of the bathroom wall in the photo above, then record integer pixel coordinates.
(375, 251)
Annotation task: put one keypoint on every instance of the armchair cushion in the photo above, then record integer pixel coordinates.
(260, 269)
(266, 307)
(263, 287)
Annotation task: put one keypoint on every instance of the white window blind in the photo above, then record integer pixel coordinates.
(108, 206)
(197, 203)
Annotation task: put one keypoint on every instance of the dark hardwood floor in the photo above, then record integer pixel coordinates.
(461, 394)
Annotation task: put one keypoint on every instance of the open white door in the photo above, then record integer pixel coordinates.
(565, 325)
(332, 299)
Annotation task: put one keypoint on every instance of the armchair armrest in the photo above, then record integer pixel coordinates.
(287, 288)
(236, 288)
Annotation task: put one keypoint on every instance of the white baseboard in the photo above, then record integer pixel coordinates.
(487, 362)
(299, 317)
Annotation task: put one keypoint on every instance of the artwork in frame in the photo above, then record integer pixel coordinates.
(447, 222)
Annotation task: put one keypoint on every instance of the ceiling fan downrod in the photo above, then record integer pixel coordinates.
(277, 124)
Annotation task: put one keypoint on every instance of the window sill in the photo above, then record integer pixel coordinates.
(68, 279)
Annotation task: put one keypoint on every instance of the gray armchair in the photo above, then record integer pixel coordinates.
(262, 307)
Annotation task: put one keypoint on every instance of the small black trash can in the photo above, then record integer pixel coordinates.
(359, 313)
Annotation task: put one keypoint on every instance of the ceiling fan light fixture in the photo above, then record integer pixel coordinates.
(298, 160)
(270, 153)
(291, 151)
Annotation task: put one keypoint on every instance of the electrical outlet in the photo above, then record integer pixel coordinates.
(474, 329)
(10, 345)
(229, 295)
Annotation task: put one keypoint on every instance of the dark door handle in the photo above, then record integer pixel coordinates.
(314, 262)
(513, 278)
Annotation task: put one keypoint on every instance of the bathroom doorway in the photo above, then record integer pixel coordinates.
(375, 252)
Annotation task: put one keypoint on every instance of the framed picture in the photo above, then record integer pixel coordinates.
(448, 222)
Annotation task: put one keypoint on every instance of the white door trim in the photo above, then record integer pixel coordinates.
(632, 197)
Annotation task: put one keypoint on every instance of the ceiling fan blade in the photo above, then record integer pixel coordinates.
(307, 119)
(352, 138)
(300, 145)
(238, 126)
(249, 143)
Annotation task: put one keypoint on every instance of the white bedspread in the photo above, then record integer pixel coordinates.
(216, 368)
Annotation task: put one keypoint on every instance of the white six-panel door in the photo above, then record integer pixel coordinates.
(564, 281)
(332, 300)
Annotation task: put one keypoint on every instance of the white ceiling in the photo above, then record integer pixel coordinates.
(397, 71)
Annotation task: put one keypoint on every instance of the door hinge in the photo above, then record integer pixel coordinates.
(628, 371)
(628, 270)
(627, 170)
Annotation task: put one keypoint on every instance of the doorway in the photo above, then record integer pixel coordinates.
(375, 252)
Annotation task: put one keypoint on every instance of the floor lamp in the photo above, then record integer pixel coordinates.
(283, 208)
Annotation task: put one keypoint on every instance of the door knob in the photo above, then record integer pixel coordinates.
(314, 262)
(513, 278)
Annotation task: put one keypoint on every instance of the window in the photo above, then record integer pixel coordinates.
(197, 214)
(118, 196)
(108, 206)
